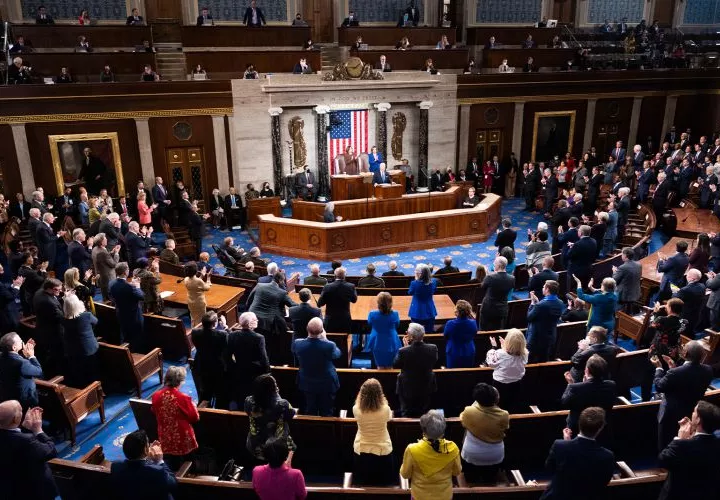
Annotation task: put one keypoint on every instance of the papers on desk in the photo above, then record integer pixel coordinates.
(165, 295)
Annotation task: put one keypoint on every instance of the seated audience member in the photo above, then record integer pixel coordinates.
(373, 463)
(492, 43)
(538, 278)
(24, 455)
(254, 16)
(18, 370)
(485, 424)
(504, 67)
(596, 342)
(604, 304)
(19, 47)
(538, 250)
(471, 200)
(317, 378)
(357, 45)
(329, 214)
(81, 346)
(497, 287)
(43, 17)
(429, 66)
(383, 65)
(235, 252)
(64, 76)
(383, 341)
(204, 262)
(543, 316)
(269, 416)
(83, 45)
(594, 390)
(205, 19)
(403, 44)
(168, 253)
(692, 296)
(692, 459)
(470, 68)
(143, 473)
(148, 75)
(370, 280)
(334, 265)
(460, 334)
(581, 468)
(393, 270)
(302, 67)
(147, 47)
(508, 364)
(277, 479)
(416, 381)
(447, 267)
(266, 191)
(528, 43)
(18, 74)
(135, 19)
(107, 75)
(431, 463)
(250, 72)
(299, 21)
(479, 275)
(507, 236)
(351, 20)
(199, 72)
(175, 413)
(301, 314)
(314, 278)
(575, 311)
(529, 66)
(84, 18)
(443, 44)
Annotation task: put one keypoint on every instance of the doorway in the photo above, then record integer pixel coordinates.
(187, 165)
(319, 15)
(488, 143)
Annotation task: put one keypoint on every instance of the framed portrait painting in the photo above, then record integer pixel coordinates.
(553, 133)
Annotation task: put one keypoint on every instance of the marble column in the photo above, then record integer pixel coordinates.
(634, 122)
(322, 150)
(232, 175)
(669, 118)
(589, 125)
(423, 172)
(221, 157)
(518, 128)
(277, 150)
(463, 135)
(145, 147)
(22, 150)
(381, 141)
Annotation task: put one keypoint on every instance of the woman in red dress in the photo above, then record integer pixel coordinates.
(175, 413)
(488, 175)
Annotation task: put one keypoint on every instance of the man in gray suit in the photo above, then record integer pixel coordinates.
(268, 301)
(628, 277)
(104, 262)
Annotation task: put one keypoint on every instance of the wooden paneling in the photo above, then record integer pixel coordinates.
(66, 36)
(321, 17)
(612, 123)
(510, 35)
(9, 164)
(652, 113)
(664, 11)
(387, 36)
(564, 11)
(414, 59)
(232, 64)
(162, 9)
(241, 36)
(517, 58)
(696, 112)
(127, 66)
(37, 135)
(161, 135)
(487, 117)
(580, 108)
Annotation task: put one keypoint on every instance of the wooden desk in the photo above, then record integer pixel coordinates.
(360, 310)
(231, 64)
(511, 35)
(361, 237)
(389, 191)
(518, 57)
(650, 276)
(692, 221)
(352, 187)
(220, 298)
(414, 59)
(242, 36)
(66, 36)
(259, 206)
(126, 66)
(389, 36)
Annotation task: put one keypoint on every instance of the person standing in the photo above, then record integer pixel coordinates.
(301, 314)
(416, 381)
(47, 240)
(254, 16)
(104, 262)
(18, 370)
(422, 306)
(580, 257)
(594, 390)
(245, 357)
(210, 343)
(373, 463)
(268, 302)
(604, 304)
(144, 470)
(81, 346)
(543, 316)
(460, 334)
(508, 364)
(383, 341)
(337, 297)
(627, 279)
(49, 326)
(317, 377)
(129, 300)
(196, 288)
(496, 287)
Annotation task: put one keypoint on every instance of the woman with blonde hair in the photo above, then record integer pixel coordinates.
(93, 211)
(144, 211)
(373, 447)
(79, 340)
(480, 273)
(196, 288)
(508, 364)
(81, 288)
(460, 334)
(383, 341)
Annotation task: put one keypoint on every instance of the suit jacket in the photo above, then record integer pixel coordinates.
(619, 154)
(268, 301)
(137, 246)
(387, 68)
(128, 306)
(537, 282)
(393, 273)
(446, 270)
(606, 351)
(317, 372)
(693, 465)
(714, 298)
(628, 277)
(49, 326)
(48, 20)
(416, 363)
(496, 286)
(197, 226)
(142, 480)
(298, 69)
(581, 469)
(377, 179)
(210, 346)
(506, 238)
(301, 182)
(79, 256)
(47, 243)
(21, 210)
(542, 323)
(638, 159)
(569, 236)
(159, 194)
(17, 379)
(202, 20)
(673, 269)
(23, 459)
(594, 392)
(581, 256)
(300, 315)
(228, 202)
(111, 232)
(104, 263)
(132, 21)
(9, 310)
(248, 17)
(336, 297)
(692, 296)
(682, 388)
(659, 201)
(245, 356)
(371, 282)
(314, 280)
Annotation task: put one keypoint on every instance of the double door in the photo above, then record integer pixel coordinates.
(187, 165)
(319, 15)
(488, 143)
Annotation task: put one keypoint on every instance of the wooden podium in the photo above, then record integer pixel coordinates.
(260, 206)
(352, 187)
(389, 191)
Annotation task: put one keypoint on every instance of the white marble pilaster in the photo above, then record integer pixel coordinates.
(22, 150)
(589, 125)
(145, 146)
(518, 128)
(463, 134)
(220, 153)
(634, 122)
(233, 150)
(669, 117)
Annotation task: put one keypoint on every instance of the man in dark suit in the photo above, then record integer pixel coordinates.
(43, 17)
(134, 19)
(49, 326)
(350, 20)
(93, 172)
(412, 13)
(210, 342)
(543, 316)
(436, 181)
(233, 207)
(66, 204)
(506, 237)
(128, 300)
(10, 303)
(392, 266)
(581, 468)
(137, 244)
(538, 279)
(594, 390)
(619, 154)
(24, 455)
(162, 199)
(143, 474)
(383, 65)
(581, 256)
(472, 170)
(447, 267)
(672, 136)
(659, 201)
(381, 176)
(552, 186)
(245, 357)
(317, 377)
(47, 240)
(336, 297)
(20, 208)
(301, 314)
(111, 227)
(315, 278)
(594, 343)
(133, 196)
(196, 222)
(622, 205)
(638, 157)
(305, 185)
(496, 287)
(370, 280)
(18, 370)
(205, 19)
(645, 179)
(253, 15)
(681, 387)
(693, 458)
(268, 302)
(627, 278)
(416, 381)
(692, 296)
(673, 268)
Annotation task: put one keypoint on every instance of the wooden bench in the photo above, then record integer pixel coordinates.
(278, 349)
(121, 369)
(467, 291)
(65, 407)
(447, 279)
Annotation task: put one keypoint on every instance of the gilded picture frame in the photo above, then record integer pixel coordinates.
(553, 134)
(65, 160)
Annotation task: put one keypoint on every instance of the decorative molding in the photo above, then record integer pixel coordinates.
(383, 106)
(322, 109)
(275, 111)
(425, 104)
(114, 115)
(578, 96)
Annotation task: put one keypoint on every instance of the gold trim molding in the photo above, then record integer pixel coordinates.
(579, 96)
(114, 115)
(545, 114)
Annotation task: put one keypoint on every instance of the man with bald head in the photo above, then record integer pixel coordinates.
(692, 295)
(317, 378)
(314, 278)
(24, 455)
(496, 286)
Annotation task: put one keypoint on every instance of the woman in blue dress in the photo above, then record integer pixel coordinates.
(422, 307)
(460, 334)
(603, 304)
(383, 341)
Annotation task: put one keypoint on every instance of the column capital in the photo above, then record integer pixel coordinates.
(425, 104)
(275, 111)
(383, 106)
(322, 109)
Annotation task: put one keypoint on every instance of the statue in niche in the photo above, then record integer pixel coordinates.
(399, 123)
(295, 128)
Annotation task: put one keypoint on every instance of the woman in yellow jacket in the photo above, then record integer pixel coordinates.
(196, 288)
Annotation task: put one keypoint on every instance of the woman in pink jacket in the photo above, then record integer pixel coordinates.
(144, 211)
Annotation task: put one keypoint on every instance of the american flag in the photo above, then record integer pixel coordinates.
(347, 128)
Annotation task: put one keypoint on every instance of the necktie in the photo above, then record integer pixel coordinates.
(232, 201)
